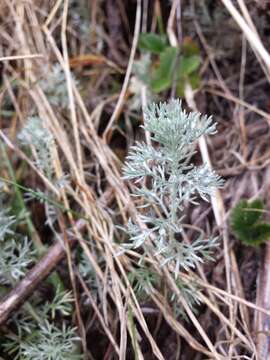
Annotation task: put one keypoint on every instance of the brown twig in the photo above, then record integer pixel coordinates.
(25, 288)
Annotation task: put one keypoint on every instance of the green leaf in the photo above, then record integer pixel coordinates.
(162, 77)
(160, 83)
(261, 232)
(254, 235)
(246, 214)
(152, 42)
(195, 80)
(245, 222)
(188, 64)
(180, 88)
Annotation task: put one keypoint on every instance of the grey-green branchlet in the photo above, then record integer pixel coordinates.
(172, 181)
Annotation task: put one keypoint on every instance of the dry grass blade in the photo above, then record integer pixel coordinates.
(249, 32)
(122, 95)
(21, 57)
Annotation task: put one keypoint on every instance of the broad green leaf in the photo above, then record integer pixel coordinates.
(261, 232)
(254, 235)
(246, 225)
(195, 80)
(180, 87)
(162, 76)
(188, 64)
(246, 214)
(161, 84)
(152, 42)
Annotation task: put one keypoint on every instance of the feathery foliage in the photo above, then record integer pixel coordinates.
(51, 343)
(46, 342)
(6, 222)
(54, 85)
(16, 252)
(15, 257)
(37, 334)
(35, 134)
(165, 180)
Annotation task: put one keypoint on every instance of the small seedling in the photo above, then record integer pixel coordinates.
(171, 63)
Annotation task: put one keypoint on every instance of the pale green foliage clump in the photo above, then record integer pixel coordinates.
(37, 337)
(36, 135)
(61, 303)
(16, 252)
(165, 180)
(88, 273)
(143, 280)
(15, 257)
(43, 339)
(189, 292)
(6, 222)
(78, 19)
(51, 343)
(54, 85)
(40, 337)
(46, 342)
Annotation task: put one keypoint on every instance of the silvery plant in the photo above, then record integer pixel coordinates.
(34, 134)
(54, 85)
(165, 180)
